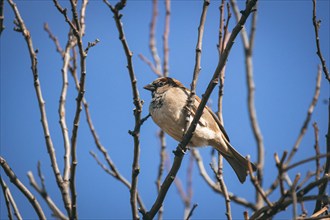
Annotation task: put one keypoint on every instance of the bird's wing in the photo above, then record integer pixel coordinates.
(203, 122)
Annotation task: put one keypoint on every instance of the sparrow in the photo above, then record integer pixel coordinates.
(167, 109)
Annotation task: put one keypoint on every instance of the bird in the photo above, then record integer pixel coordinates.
(167, 109)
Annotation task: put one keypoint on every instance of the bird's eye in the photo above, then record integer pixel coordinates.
(160, 84)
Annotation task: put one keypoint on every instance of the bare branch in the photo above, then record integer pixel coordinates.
(223, 187)
(165, 37)
(306, 160)
(317, 24)
(137, 102)
(152, 39)
(14, 179)
(256, 184)
(197, 68)
(294, 195)
(151, 65)
(317, 151)
(216, 187)
(9, 201)
(320, 212)
(42, 191)
(54, 39)
(2, 17)
(191, 211)
(309, 115)
(308, 118)
(41, 102)
(248, 42)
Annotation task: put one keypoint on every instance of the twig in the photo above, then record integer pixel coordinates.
(114, 172)
(192, 211)
(317, 151)
(320, 212)
(9, 201)
(306, 160)
(14, 179)
(2, 17)
(266, 213)
(317, 24)
(78, 33)
(91, 44)
(151, 65)
(248, 43)
(165, 37)
(284, 201)
(256, 184)
(294, 195)
(224, 190)
(61, 110)
(309, 115)
(54, 39)
(279, 165)
(162, 158)
(246, 215)
(42, 191)
(197, 68)
(221, 45)
(215, 186)
(137, 102)
(6, 192)
(49, 143)
(152, 39)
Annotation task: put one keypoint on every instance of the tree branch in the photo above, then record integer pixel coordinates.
(308, 118)
(137, 102)
(9, 201)
(14, 179)
(44, 121)
(317, 24)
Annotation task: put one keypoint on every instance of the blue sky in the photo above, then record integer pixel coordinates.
(285, 67)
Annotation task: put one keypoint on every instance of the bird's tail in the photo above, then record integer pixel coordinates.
(238, 163)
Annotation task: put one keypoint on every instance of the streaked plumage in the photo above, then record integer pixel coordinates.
(169, 98)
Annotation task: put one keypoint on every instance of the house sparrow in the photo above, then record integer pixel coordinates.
(169, 98)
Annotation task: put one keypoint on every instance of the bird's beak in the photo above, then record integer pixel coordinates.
(150, 87)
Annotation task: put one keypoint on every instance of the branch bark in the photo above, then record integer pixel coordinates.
(14, 179)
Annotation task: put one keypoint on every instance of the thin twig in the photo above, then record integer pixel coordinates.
(294, 195)
(256, 184)
(162, 158)
(215, 187)
(320, 212)
(114, 172)
(14, 179)
(41, 102)
(284, 201)
(248, 43)
(151, 65)
(192, 211)
(152, 39)
(165, 37)
(137, 103)
(6, 191)
(54, 39)
(308, 117)
(317, 151)
(42, 191)
(223, 187)
(197, 68)
(306, 160)
(317, 24)
(9, 201)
